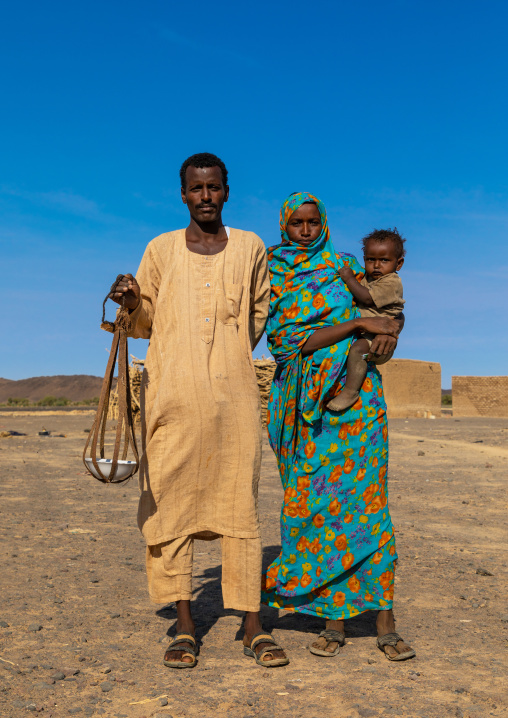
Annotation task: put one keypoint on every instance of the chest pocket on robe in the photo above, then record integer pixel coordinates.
(228, 303)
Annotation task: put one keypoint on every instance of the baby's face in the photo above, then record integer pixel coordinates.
(380, 258)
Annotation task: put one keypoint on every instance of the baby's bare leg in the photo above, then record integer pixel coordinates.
(356, 371)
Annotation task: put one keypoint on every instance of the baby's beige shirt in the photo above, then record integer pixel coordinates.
(386, 293)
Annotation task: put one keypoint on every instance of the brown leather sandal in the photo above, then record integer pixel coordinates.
(391, 639)
(258, 657)
(173, 646)
(331, 636)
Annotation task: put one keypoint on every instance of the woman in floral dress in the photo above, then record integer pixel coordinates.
(338, 548)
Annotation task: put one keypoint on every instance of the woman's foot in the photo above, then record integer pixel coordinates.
(389, 641)
(252, 626)
(326, 643)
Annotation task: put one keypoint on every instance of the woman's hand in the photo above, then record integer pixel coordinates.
(382, 344)
(380, 325)
(127, 292)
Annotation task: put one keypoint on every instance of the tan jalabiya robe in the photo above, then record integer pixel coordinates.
(200, 399)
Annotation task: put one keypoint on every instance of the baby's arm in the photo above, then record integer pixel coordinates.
(359, 292)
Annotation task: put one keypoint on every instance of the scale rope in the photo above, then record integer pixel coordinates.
(125, 425)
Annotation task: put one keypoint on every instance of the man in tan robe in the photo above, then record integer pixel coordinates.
(201, 297)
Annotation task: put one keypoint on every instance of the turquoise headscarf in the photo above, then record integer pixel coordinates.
(294, 202)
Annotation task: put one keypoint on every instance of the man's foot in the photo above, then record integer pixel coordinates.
(176, 654)
(252, 627)
(184, 658)
(389, 641)
(344, 400)
(184, 625)
(327, 641)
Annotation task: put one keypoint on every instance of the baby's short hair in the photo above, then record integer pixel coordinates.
(386, 235)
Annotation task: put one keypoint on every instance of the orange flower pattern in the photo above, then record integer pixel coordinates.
(338, 549)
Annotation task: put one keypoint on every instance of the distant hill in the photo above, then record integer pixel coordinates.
(76, 387)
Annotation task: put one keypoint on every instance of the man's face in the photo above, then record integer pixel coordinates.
(304, 225)
(380, 258)
(204, 193)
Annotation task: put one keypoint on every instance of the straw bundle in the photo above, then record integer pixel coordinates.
(264, 372)
(135, 375)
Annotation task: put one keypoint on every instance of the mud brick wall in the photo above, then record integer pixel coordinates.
(412, 388)
(480, 396)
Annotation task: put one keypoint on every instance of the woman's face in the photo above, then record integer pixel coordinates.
(304, 225)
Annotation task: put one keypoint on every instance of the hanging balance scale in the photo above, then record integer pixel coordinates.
(116, 469)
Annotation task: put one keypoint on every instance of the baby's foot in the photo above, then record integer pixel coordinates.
(344, 400)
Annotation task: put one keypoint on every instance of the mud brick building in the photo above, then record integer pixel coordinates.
(412, 388)
(480, 396)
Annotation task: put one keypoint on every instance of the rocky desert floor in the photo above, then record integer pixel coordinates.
(78, 635)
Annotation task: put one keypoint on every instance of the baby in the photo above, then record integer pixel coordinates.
(378, 294)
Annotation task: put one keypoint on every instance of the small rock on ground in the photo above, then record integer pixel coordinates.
(483, 572)
(58, 676)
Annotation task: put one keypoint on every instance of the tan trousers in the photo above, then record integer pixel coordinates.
(169, 571)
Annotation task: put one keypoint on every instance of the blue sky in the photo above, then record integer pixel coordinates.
(392, 113)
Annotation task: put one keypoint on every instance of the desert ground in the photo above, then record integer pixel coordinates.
(78, 635)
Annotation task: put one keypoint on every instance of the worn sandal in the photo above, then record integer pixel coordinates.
(331, 636)
(265, 638)
(391, 639)
(178, 639)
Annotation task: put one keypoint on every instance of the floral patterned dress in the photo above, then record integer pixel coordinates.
(338, 547)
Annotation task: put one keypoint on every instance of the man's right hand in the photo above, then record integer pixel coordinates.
(126, 292)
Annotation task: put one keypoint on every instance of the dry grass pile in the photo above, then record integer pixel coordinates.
(135, 375)
(264, 373)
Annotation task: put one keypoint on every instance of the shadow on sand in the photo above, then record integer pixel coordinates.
(207, 609)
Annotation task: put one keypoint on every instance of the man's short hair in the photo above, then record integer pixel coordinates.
(386, 235)
(203, 159)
